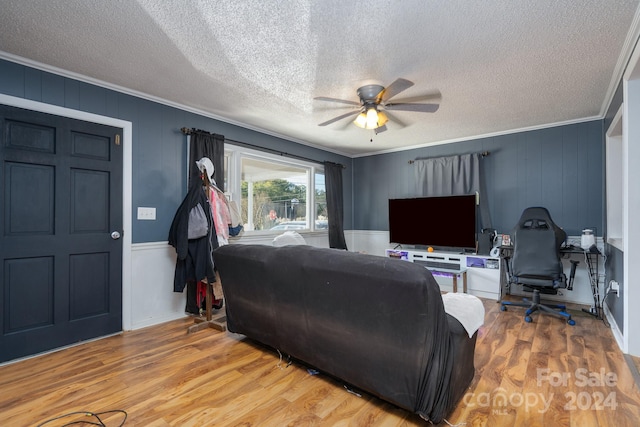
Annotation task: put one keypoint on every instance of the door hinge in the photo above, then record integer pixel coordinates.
(117, 139)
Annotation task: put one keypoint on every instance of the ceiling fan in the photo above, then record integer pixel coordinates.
(373, 110)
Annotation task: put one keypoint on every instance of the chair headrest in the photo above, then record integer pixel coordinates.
(539, 219)
(537, 214)
(535, 223)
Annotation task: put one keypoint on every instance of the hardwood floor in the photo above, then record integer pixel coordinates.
(636, 362)
(545, 373)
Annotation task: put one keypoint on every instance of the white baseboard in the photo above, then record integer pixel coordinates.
(617, 333)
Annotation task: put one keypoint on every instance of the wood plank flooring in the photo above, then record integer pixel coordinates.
(636, 362)
(545, 373)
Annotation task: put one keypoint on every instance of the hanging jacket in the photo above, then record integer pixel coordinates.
(220, 213)
(194, 257)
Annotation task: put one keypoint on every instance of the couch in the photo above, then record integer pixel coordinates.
(375, 323)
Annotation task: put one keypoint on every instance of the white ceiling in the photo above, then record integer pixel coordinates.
(500, 65)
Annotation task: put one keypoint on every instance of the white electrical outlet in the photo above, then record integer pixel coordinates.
(147, 214)
(615, 287)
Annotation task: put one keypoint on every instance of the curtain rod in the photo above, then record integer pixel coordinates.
(483, 154)
(188, 131)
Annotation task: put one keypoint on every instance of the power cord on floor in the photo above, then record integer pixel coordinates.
(445, 420)
(453, 425)
(94, 415)
(289, 361)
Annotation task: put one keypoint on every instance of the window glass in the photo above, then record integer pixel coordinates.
(320, 211)
(227, 161)
(273, 195)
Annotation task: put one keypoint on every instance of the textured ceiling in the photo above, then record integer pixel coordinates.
(500, 65)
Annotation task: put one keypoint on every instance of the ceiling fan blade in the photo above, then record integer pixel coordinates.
(336, 108)
(420, 108)
(395, 119)
(393, 89)
(340, 117)
(342, 101)
(433, 96)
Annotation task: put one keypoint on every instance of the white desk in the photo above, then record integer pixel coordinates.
(454, 274)
(480, 273)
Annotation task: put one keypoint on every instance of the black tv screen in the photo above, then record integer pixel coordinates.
(434, 221)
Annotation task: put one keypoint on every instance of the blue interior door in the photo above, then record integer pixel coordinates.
(61, 262)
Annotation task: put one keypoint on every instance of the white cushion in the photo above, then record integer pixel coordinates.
(467, 309)
(289, 238)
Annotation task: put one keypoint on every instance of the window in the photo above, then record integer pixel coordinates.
(275, 194)
(615, 170)
(321, 218)
(226, 170)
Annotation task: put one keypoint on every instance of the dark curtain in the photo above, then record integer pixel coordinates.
(335, 205)
(204, 144)
(454, 176)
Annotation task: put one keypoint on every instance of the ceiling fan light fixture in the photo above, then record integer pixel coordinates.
(382, 118)
(361, 121)
(372, 118)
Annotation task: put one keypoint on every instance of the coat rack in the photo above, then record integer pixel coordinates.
(219, 323)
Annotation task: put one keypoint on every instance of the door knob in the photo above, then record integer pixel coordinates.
(115, 235)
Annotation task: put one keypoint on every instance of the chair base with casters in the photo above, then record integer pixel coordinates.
(535, 305)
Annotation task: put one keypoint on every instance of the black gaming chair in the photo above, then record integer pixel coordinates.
(536, 262)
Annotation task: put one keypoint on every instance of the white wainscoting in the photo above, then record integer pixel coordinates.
(367, 241)
(152, 268)
(153, 299)
(153, 264)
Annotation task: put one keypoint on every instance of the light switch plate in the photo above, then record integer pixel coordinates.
(148, 214)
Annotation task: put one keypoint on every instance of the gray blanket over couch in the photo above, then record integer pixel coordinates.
(376, 323)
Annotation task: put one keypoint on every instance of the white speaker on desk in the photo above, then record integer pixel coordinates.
(497, 242)
(587, 239)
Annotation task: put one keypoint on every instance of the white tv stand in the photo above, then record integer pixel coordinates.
(482, 271)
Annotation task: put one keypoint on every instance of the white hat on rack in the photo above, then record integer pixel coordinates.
(206, 166)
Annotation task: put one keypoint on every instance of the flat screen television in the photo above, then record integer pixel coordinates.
(443, 222)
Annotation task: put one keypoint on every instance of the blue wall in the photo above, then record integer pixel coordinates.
(159, 148)
(560, 168)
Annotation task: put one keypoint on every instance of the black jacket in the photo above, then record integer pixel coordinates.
(195, 256)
